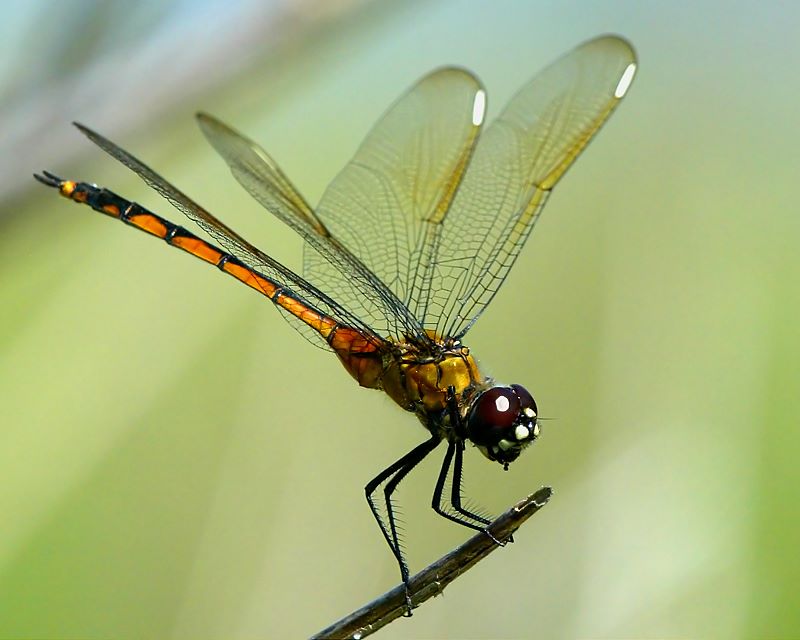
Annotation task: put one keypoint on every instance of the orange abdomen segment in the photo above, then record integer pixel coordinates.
(360, 357)
(359, 354)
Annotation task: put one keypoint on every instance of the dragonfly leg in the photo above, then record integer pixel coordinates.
(394, 474)
(455, 497)
(455, 511)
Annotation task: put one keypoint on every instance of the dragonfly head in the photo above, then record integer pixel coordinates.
(502, 422)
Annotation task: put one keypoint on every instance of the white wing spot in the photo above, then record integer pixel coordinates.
(502, 404)
(479, 108)
(625, 81)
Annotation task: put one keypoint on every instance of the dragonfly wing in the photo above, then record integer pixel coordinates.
(239, 247)
(261, 176)
(519, 159)
(387, 204)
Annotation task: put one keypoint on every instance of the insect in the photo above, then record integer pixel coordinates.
(407, 247)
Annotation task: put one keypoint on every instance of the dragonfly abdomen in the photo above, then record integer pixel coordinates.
(343, 340)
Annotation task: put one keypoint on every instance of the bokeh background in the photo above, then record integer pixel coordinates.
(176, 462)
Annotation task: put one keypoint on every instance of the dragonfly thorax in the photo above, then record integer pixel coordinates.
(424, 382)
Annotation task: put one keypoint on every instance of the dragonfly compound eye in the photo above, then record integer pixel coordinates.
(502, 422)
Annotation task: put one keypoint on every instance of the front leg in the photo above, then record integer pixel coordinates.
(454, 511)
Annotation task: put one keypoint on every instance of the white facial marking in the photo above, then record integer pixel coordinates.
(529, 412)
(521, 432)
(502, 404)
(505, 445)
(536, 431)
(479, 107)
(625, 81)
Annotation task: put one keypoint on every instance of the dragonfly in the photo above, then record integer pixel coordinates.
(407, 247)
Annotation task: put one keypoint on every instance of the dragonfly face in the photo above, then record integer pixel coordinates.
(408, 246)
(502, 422)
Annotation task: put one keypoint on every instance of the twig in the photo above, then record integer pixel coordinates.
(432, 580)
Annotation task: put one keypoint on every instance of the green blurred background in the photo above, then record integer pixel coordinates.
(175, 462)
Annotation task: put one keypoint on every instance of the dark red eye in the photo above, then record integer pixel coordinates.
(493, 413)
(526, 400)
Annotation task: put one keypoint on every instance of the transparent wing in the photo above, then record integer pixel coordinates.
(260, 175)
(518, 160)
(366, 243)
(240, 248)
(387, 204)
